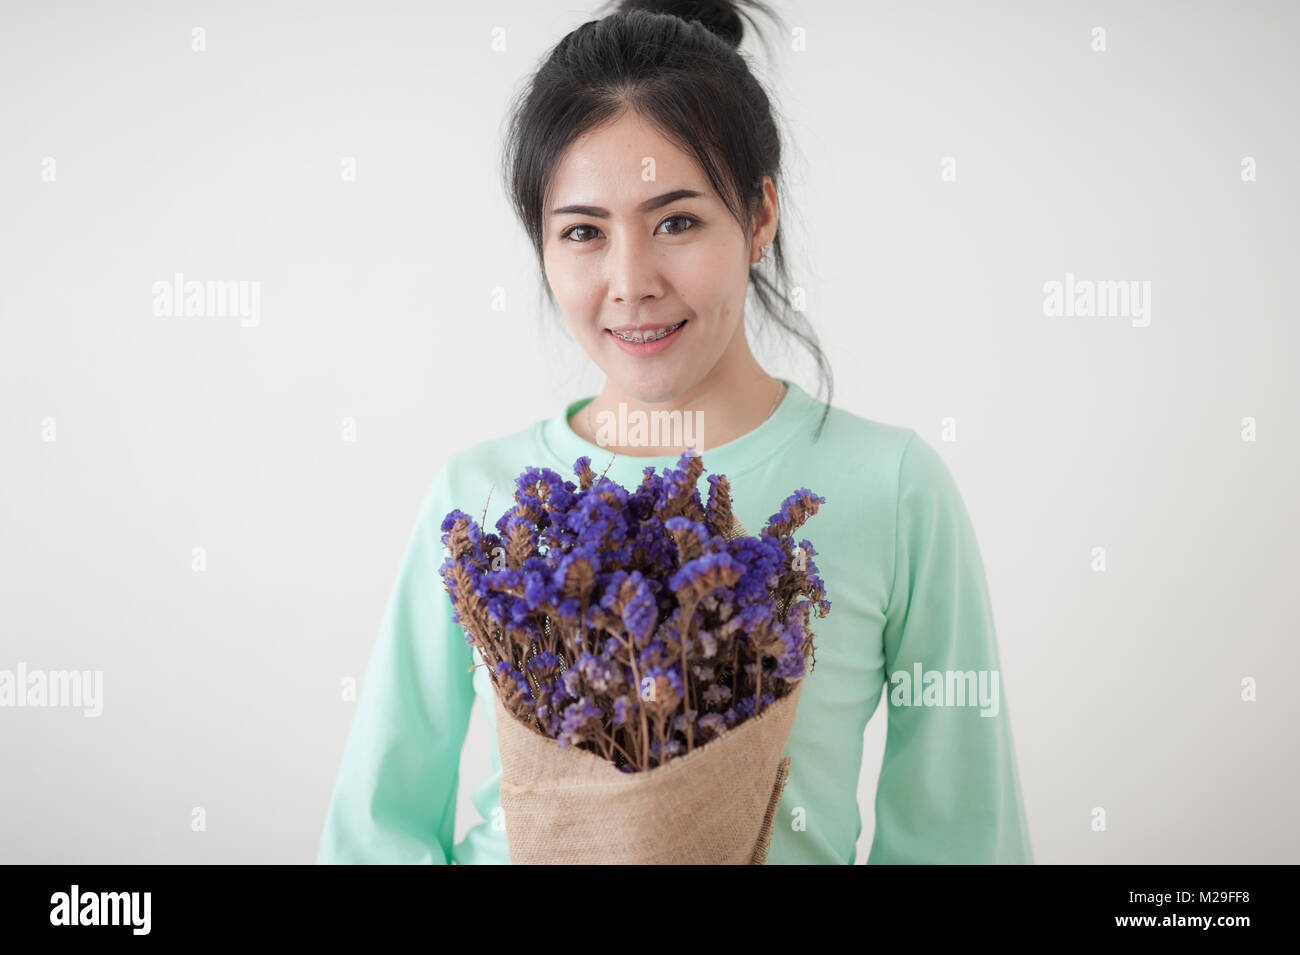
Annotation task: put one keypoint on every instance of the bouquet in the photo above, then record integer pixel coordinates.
(647, 657)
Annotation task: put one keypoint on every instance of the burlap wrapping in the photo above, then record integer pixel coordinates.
(715, 805)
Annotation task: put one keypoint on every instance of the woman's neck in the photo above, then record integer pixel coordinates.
(714, 412)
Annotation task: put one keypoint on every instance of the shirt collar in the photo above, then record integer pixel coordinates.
(792, 416)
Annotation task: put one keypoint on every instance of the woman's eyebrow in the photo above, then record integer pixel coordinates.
(598, 213)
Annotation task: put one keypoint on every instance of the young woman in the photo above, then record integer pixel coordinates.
(644, 161)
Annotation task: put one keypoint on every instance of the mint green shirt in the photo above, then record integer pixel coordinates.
(902, 570)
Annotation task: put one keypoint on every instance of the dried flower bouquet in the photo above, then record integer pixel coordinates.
(647, 656)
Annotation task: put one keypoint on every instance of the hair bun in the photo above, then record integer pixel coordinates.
(720, 16)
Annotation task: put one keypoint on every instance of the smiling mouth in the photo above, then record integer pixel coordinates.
(641, 338)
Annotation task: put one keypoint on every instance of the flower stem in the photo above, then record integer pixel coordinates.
(686, 675)
(636, 679)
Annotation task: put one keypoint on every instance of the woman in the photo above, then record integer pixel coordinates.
(649, 242)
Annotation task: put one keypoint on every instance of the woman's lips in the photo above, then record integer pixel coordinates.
(647, 348)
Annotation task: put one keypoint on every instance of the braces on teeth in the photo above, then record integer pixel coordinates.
(640, 339)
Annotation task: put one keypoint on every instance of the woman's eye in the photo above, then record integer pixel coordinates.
(577, 228)
(691, 222)
(578, 233)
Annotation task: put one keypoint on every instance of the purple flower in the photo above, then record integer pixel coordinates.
(713, 723)
(581, 721)
(603, 676)
(510, 672)
(641, 613)
(705, 573)
(672, 747)
(544, 661)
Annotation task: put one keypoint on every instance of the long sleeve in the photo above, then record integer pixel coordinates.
(395, 797)
(949, 790)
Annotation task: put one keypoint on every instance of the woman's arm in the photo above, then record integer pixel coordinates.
(949, 791)
(395, 797)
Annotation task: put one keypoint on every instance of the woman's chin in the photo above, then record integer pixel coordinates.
(652, 388)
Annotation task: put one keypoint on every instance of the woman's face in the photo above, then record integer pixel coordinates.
(625, 245)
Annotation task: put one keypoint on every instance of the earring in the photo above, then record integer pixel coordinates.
(762, 255)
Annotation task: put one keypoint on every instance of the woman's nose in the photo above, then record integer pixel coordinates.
(633, 271)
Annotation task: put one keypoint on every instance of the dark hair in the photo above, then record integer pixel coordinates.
(677, 63)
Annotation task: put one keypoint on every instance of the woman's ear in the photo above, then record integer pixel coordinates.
(765, 220)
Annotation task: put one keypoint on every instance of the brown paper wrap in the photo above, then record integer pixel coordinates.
(715, 805)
